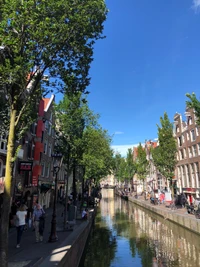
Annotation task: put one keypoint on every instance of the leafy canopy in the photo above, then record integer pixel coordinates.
(56, 37)
(97, 155)
(194, 103)
(164, 156)
(141, 163)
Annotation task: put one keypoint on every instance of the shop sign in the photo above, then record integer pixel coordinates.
(34, 180)
(189, 189)
(1, 185)
(25, 166)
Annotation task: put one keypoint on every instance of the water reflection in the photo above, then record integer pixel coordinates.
(126, 235)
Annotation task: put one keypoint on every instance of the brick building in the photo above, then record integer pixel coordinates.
(188, 156)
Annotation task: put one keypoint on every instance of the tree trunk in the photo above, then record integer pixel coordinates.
(4, 223)
(74, 185)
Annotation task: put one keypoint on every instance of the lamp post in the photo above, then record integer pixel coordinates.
(53, 235)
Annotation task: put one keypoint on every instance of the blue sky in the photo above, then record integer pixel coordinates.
(149, 60)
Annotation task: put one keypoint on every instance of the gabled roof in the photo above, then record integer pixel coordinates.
(47, 102)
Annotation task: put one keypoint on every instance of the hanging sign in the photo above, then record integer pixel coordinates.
(25, 166)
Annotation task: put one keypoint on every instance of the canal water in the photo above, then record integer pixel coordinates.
(126, 235)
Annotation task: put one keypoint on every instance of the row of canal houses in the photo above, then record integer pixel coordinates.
(33, 170)
(186, 176)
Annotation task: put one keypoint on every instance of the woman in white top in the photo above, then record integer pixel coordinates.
(21, 216)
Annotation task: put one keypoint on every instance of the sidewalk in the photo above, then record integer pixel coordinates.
(179, 216)
(31, 253)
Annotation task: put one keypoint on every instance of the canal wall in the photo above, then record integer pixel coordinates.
(71, 250)
(185, 220)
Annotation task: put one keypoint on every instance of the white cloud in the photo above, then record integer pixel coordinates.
(122, 149)
(196, 4)
(118, 132)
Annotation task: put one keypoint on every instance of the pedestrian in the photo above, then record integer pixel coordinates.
(20, 223)
(39, 220)
(85, 214)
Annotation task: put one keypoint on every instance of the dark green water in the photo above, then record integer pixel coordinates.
(125, 235)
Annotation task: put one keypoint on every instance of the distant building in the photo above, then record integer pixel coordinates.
(188, 156)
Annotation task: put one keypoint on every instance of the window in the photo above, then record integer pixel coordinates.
(181, 154)
(198, 149)
(46, 126)
(177, 129)
(188, 137)
(1, 168)
(45, 148)
(183, 175)
(194, 148)
(33, 128)
(49, 151)
(183, 138)
(43, 169)
(192, 134)
(3, 142)
(51, 116)
(188, 173)
(197, 130)
(49, 130)
(190, 152)
(192, 174)
(197, 172)
(184, 151)
(47, 171)
(180, 141)
(190, 120)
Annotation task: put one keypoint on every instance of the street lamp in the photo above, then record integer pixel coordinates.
(56, 168)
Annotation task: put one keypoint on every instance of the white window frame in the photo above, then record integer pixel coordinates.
(184, 152)
(194, 149)
(45, 147)
(190, 152)
(183, 138)
(49, 152)
(43, 169)
(188, 136)
(198, 148)
(197, 131)
(192, 135)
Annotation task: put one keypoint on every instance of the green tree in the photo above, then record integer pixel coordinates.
(73, 116)
(142, 164)
(164, 156)
(130, 165)
(194, 103)
(97, 154)
(38, 36)
(116, 166)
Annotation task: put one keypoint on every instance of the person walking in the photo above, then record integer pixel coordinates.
(21, 221)
(38, 220)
